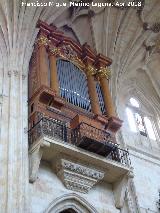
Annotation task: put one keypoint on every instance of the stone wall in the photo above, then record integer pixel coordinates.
(48, 187)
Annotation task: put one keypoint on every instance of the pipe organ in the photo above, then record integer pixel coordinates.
(69, 83)
(73, 84)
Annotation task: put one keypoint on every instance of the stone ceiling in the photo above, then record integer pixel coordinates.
(130, 36)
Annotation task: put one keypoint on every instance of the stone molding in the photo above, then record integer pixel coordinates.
(77, 177)
(71, 200)
(131, 197)
(35, 156)
(1, 98)
(120, 188)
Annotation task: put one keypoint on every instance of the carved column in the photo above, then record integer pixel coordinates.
(88, 58)
(103, 75)
(42, 60)
(90, 71)
(14, 144)
(53, 71)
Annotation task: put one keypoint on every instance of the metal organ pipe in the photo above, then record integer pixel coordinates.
(100, 97)
(73, 84)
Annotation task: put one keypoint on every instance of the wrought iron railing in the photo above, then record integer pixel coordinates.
(84, 129)
(121, 156)
(114, 152)
(57, 130)
(50, 128)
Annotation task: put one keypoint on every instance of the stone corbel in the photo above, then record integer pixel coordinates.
(77, 177)
(120, 188)
(35, 156)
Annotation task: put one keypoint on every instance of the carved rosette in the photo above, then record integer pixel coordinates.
(77, 177)
(104, 72)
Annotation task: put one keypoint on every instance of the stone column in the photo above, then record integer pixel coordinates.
(90, 71)
(42, 60)
(14, 144)
(103, 75)
(53, 71)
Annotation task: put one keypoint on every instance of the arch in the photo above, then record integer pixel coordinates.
(148, 103)
(68, 211)
(70, 201)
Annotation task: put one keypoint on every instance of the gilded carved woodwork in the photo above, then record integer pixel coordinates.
(42, 40)
(90, 70)
(67, 53)
(54, 51)
(104, 72)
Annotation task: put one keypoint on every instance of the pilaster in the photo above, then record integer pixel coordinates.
(14, 144)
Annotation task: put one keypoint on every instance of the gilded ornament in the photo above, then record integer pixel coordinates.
(90, 70)
(55, 51)
(67, 53)
(104, 72)
(42, 40)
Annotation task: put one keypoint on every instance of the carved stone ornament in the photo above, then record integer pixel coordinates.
(35, 156)
(77, 177)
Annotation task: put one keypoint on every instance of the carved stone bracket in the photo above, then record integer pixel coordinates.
(120, 188)
(35, 156)
(77, 177)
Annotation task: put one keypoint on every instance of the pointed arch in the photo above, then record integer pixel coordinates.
(136, 90)
(70, 201)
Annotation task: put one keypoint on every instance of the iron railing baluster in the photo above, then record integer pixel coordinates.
(58, 130)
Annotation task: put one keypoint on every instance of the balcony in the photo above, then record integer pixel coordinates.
(80, 157)
(84, 136)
